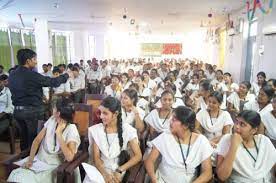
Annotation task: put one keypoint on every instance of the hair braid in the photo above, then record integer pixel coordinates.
(120, 128)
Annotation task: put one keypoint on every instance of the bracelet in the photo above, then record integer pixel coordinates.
(119, 171)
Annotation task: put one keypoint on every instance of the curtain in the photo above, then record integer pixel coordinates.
(59, 49)
(29, 39)
(5, 50)
(16, 42)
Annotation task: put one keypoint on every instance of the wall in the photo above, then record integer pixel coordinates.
(235, 58)
(267, 61)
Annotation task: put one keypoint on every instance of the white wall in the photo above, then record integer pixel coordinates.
(235, 58)
(266, 62)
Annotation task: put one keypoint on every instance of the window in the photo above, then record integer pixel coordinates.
(16, 42)
(29, 39)
(5, 49)
(59, 48)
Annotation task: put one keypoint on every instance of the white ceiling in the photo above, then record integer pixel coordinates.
(166, 16)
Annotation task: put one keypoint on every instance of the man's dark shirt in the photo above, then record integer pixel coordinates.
(26, 86)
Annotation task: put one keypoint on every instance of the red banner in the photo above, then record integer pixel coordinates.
(172, 49)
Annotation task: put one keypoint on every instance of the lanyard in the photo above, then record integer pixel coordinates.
(166, 117)
(182, 153)
(211, 117)
(255, 159)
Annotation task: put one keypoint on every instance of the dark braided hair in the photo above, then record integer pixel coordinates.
(114, 105)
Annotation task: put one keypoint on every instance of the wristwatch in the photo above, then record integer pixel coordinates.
(119, 171)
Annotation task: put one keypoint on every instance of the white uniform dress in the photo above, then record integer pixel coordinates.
(159, 124)
(253, 105)
(245, 169)
(129, 117)
(236, 101)
(110, 153)
(269, 122)
(213, 127)
(172, 168)
(50, 153)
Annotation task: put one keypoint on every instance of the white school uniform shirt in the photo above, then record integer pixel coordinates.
(116, 69)
(213, 127)
(110, 154)
(233, 87)
(171, 167)
(64, 87)
(94, 75)
(162, 74)
(49, 151)
(126, 86)
(253, 105)
(255, 88)
(192, 87)
(129, 117)
(235, 99)
(106, 71)
(5, 101)
(159, 124)
(157, 80)
(269, 122)
(179, 83)
(108, 91)
(202, 105)
(77, 83)
(245, 169)
(151, 84)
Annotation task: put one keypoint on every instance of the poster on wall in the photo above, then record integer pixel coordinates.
(172, 49)
(159, 49)
(151, 49)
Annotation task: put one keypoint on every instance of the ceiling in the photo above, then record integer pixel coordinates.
(151, 16)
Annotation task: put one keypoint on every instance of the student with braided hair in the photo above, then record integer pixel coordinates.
(108, 142)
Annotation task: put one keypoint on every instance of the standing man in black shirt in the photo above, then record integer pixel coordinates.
(26, 89)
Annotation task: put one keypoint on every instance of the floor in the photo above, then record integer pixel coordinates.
(4, 155)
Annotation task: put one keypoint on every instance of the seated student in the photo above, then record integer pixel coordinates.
(109, 140)
(57, 142)
(214, 122)
(62, 91)
(268, 125)
(263, 102)
(261, 82)
(194, 84)
(77, 84)
(125, 82)
(230, 85)
(178, 101)
(130, 113)
(236, 100)
(272, 83)
(182, 150)
(158, 119)
(114, 89)
(148, 83)
(6, 107)
(218, 81)
(200, 99)
(245, 157)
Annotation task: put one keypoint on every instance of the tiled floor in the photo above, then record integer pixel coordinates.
(5, 154)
